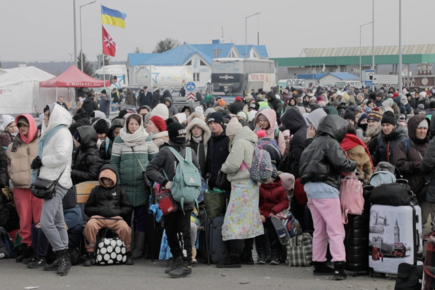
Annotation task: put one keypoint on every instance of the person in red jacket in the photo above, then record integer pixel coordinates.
(273, 200)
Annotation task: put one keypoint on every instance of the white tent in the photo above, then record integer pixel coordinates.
(20, 92)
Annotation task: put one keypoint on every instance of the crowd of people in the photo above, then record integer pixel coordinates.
(317, 135)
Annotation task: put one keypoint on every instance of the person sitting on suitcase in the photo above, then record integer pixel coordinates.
(321, 165)
(273, 200)
(106, 206)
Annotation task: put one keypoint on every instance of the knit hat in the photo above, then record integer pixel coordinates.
(423, 124)
(77, 136)
(362, 117)
(181, 117)
(315, 117)
(388, 118)
(243, 115)
(175, 129)
(159, 123)
(209, 111)
(222, 103)
(374, 116)
(233, 126)
(200, 110)
(403, 98)
(216, 117)
(7, 119)
(101, 126)
(238, 99)
(103, 91)
(396, 95)
(251, 115)
(420, 106)
(288, 180)
(161, 110)
(349, 116)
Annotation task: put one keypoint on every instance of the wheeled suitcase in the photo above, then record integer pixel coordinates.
(356, 244)
(394, 237)
(217, 248)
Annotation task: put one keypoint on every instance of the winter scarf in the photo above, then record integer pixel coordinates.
(132, 140)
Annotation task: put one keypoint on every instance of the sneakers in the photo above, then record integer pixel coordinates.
(26, 254)
(179, 268)
(230, 262)
(321, 268)
(246, 258)
(339, 273)
(175, 263)
(37, 262)
(274, 260)
(89, 259)
(261, 259)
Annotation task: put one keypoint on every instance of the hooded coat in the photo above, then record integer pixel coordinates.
(217, 153)
(130, 99)
(242, 150)
(276, 105)
(172, 109)
(106, 145)
(89, 105)
(108, 202)
(18, 162)
(156, 98)
(166, 94)
(270, 115)
(409, 153)
(56, 155)
(199, 145)
(295, 122)
(167, 161)
(87, 161)
(324, 160)
(386, 145)
(273, 198)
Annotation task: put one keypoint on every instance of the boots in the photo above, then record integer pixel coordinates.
(64, 264)
(37, 262)
(25, 255)
(139, 242)
(231, 261)
(339, 273)
(194, 261)
(90, 256)
(320, 268)
(246, 258)
(51, 267)
(129, 259)
(175, 262)
(181, 269)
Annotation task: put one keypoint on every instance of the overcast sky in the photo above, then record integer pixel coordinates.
(43, 30)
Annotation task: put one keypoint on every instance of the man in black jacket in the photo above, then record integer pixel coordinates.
(60, 102)
(89, 105)
(177, 222)
(217, 148)
(237, 106)
(86, 160)
(107, 205)
(275, 104)
(156, 97)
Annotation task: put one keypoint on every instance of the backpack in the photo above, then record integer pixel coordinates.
(261, 169)
(186, 184)
(9, 218)
(382, 177)
(6, 244)
(271, 146)
(351, 196)
(394, 194)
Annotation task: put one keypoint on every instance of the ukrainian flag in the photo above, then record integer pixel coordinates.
(112, 17)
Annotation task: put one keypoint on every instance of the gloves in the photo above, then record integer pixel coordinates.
(36, 163)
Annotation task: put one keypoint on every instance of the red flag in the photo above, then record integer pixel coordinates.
(109, 46)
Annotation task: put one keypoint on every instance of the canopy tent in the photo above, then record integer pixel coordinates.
(73, 78)
(20, 92)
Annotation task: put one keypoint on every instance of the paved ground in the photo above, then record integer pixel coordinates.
(146, 275)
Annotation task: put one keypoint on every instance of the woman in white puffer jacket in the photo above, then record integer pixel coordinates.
(54, 158)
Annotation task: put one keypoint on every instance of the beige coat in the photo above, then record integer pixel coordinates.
(19, 163)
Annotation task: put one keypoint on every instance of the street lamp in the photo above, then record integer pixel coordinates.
(360, 64)
(373, 36)
(75, 34)
(246, 32)
(400, 46)
(81, 41)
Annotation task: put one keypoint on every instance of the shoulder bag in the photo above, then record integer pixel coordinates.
(45, 189)
(144, 175)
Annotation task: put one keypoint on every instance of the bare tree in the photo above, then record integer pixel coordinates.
(88, 67)
(137, 50)
(166, 44)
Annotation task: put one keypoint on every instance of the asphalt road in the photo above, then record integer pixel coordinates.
(147, 275)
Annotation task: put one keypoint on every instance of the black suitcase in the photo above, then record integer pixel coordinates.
(217, 247)
(356, 244)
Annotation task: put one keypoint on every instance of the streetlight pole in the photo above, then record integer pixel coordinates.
(360, 64)
(246, 33)
(75, 34)
(81, 40)
(373, 36)
(400, 46)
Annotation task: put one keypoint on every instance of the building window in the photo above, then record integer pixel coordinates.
(189, 63)
(202, 63)
(196, 77)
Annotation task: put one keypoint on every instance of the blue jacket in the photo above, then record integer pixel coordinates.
(105, 106)
(74, 218)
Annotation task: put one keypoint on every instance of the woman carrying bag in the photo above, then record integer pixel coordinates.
(20, 155)
(131, 152)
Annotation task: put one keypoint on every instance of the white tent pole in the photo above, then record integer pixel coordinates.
(56, 94)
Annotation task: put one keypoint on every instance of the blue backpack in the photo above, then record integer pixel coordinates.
(186, 184)
(261, 169)
(6, 245)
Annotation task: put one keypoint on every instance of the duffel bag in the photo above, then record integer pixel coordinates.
(394, 194)
(300, 251)
(110, 250)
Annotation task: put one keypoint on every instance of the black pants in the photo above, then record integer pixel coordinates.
(272, 238)
(179, 223)
(238, 246)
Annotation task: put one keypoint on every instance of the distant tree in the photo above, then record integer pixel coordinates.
(137, 50)
(88, 67)
(100, 59)
(166, 44)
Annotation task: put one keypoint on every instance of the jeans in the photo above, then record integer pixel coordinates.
(39, 241)
(140, 218)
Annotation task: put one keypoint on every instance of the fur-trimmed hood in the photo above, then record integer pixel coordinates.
(200, 123)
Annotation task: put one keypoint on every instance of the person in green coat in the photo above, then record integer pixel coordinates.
(131, 152)
(208, 99)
